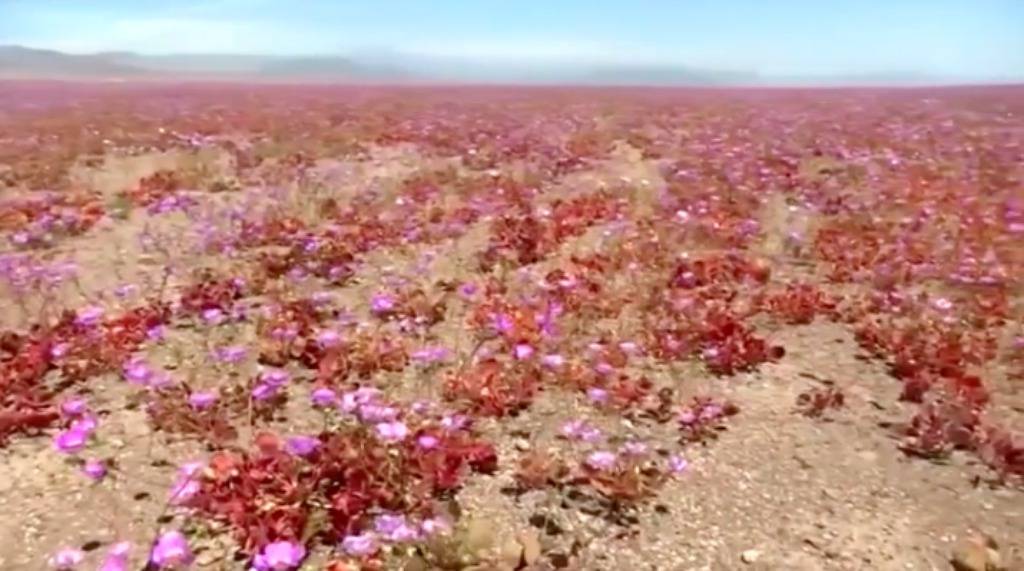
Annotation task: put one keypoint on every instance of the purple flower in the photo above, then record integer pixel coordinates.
(602, 460)
(711, 412)
(89, 316)
(687, 417)
(396, 528)
(187, 483)
(170, 551)
(94, 469)
(155, 333)
(86, 424)
(467, 289)
(126, 290)
(328, 338)
(67, 558)
(137, 372)
(394, 431)
(73, 407)
(427, 441)
(376, 413)
(382, 303)
(70, 441)
(629, 347)
(597, 395)
(213, 316)
(59, 350)
(117, 557)
(677, 464)
(275, 377)
(634, 448)
(1018, 342)
(502, 322)
(280, 556)
(324, 397)
(522, 351)
(454, 421)
(201, 400)
(284, 333)
(603, 368)
(434, 526)
(580, 430)
(264, 391)
(302, 445)
(231, 355)
(359, 545)
(321, 298)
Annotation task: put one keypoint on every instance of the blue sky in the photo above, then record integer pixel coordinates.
(977, 38)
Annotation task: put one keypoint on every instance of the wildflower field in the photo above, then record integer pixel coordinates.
(374, 328)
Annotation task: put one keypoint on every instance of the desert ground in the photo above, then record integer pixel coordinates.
(375, 328)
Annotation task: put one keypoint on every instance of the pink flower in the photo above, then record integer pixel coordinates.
(67, 558)
(382, 303)
(73, 408)
(580, 430)
(434, 526)
(677, 464)
(324, 397)
(89, 316)
(392, 431)
(275, 377)
(70, 441)
(137, 372)
(633, 448)
(328, 338)
(231, 355)
(359, 545)
(59, 350)
(171, 551)
(454, 421)
(602, 460)
(213, 316)
(522, 351)
(202, 400)
(94, 469)
(376, 413)
(264, 391)
(396, 528)
(597, 395)
(467, 290)
(280, 556)
(187, 483)
(117, 557)
(302, 445)
(427, 441)
(502, 323)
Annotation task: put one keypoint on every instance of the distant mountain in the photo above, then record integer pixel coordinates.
(384, 66)
(30, 62)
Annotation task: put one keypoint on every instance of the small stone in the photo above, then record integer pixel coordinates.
(750, 556)
(522, 444)
(977, 553)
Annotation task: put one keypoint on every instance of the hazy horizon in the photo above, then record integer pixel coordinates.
(983, 39)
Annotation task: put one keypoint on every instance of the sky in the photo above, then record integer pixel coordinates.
(953, 38)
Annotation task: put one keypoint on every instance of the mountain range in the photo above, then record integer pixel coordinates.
(384, 66)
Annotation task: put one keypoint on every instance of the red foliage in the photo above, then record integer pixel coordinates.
(268, 494)
(492, 389)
